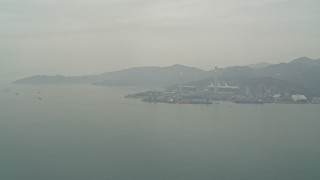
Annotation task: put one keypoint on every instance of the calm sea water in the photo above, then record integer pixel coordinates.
(89, 132)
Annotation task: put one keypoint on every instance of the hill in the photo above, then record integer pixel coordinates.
(160, 76)
(301, 74)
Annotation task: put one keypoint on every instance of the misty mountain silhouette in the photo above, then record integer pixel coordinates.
(301, 72)
(306, 61)
(151, 75)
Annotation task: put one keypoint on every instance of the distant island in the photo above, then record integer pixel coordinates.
(300, 76)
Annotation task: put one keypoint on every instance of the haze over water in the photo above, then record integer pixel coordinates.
(91, 132)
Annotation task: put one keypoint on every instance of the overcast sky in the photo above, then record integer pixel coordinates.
(74, 37)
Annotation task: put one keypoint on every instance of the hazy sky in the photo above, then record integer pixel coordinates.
(74, 37)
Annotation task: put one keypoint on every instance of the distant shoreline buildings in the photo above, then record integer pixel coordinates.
(220, 91)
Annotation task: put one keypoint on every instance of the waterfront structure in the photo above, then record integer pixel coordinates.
(223, 87)
(219, 91)
(299, 98)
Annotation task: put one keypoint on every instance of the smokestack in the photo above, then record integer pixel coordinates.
(216, 81)
(181, 81)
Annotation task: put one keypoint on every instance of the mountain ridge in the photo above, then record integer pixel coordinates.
(304, 71)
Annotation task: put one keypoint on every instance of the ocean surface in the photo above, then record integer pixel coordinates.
(83, 132)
